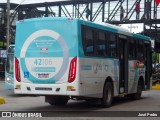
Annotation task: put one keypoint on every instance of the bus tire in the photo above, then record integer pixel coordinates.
(137, 95)
(59, 100)
(106, 101)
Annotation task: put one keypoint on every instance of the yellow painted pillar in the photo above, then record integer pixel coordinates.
(2, 100)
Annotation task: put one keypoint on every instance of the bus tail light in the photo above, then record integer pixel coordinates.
(17, 70)
(72, 70)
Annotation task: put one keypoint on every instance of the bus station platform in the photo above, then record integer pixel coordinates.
(2, 100)
(156, 84)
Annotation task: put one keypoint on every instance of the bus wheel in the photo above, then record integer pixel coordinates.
(106, 101)
(137, 95)
(59, 100)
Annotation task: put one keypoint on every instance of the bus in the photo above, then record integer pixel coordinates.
(9, 68)
(68, 58)
(2, 62)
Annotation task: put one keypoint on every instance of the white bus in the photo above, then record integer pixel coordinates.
(65, 58)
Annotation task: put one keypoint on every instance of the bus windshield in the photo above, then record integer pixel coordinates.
(9, 63)
(10, 59)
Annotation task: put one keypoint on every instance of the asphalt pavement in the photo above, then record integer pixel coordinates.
(81, 110)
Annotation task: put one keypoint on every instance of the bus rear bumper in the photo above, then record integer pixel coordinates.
(43, 89)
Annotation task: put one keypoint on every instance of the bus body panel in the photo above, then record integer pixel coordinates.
(94, 72)
(133, 75)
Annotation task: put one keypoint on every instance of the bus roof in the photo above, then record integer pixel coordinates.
(104, 26)
(115, 29)
(44, 19)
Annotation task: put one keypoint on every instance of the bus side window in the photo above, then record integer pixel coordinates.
(113, 45)
(132, 49)
(101, 44)
(88, 43)
(140, 51)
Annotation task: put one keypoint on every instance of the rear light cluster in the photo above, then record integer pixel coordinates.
(72, 70)
(17, 70)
